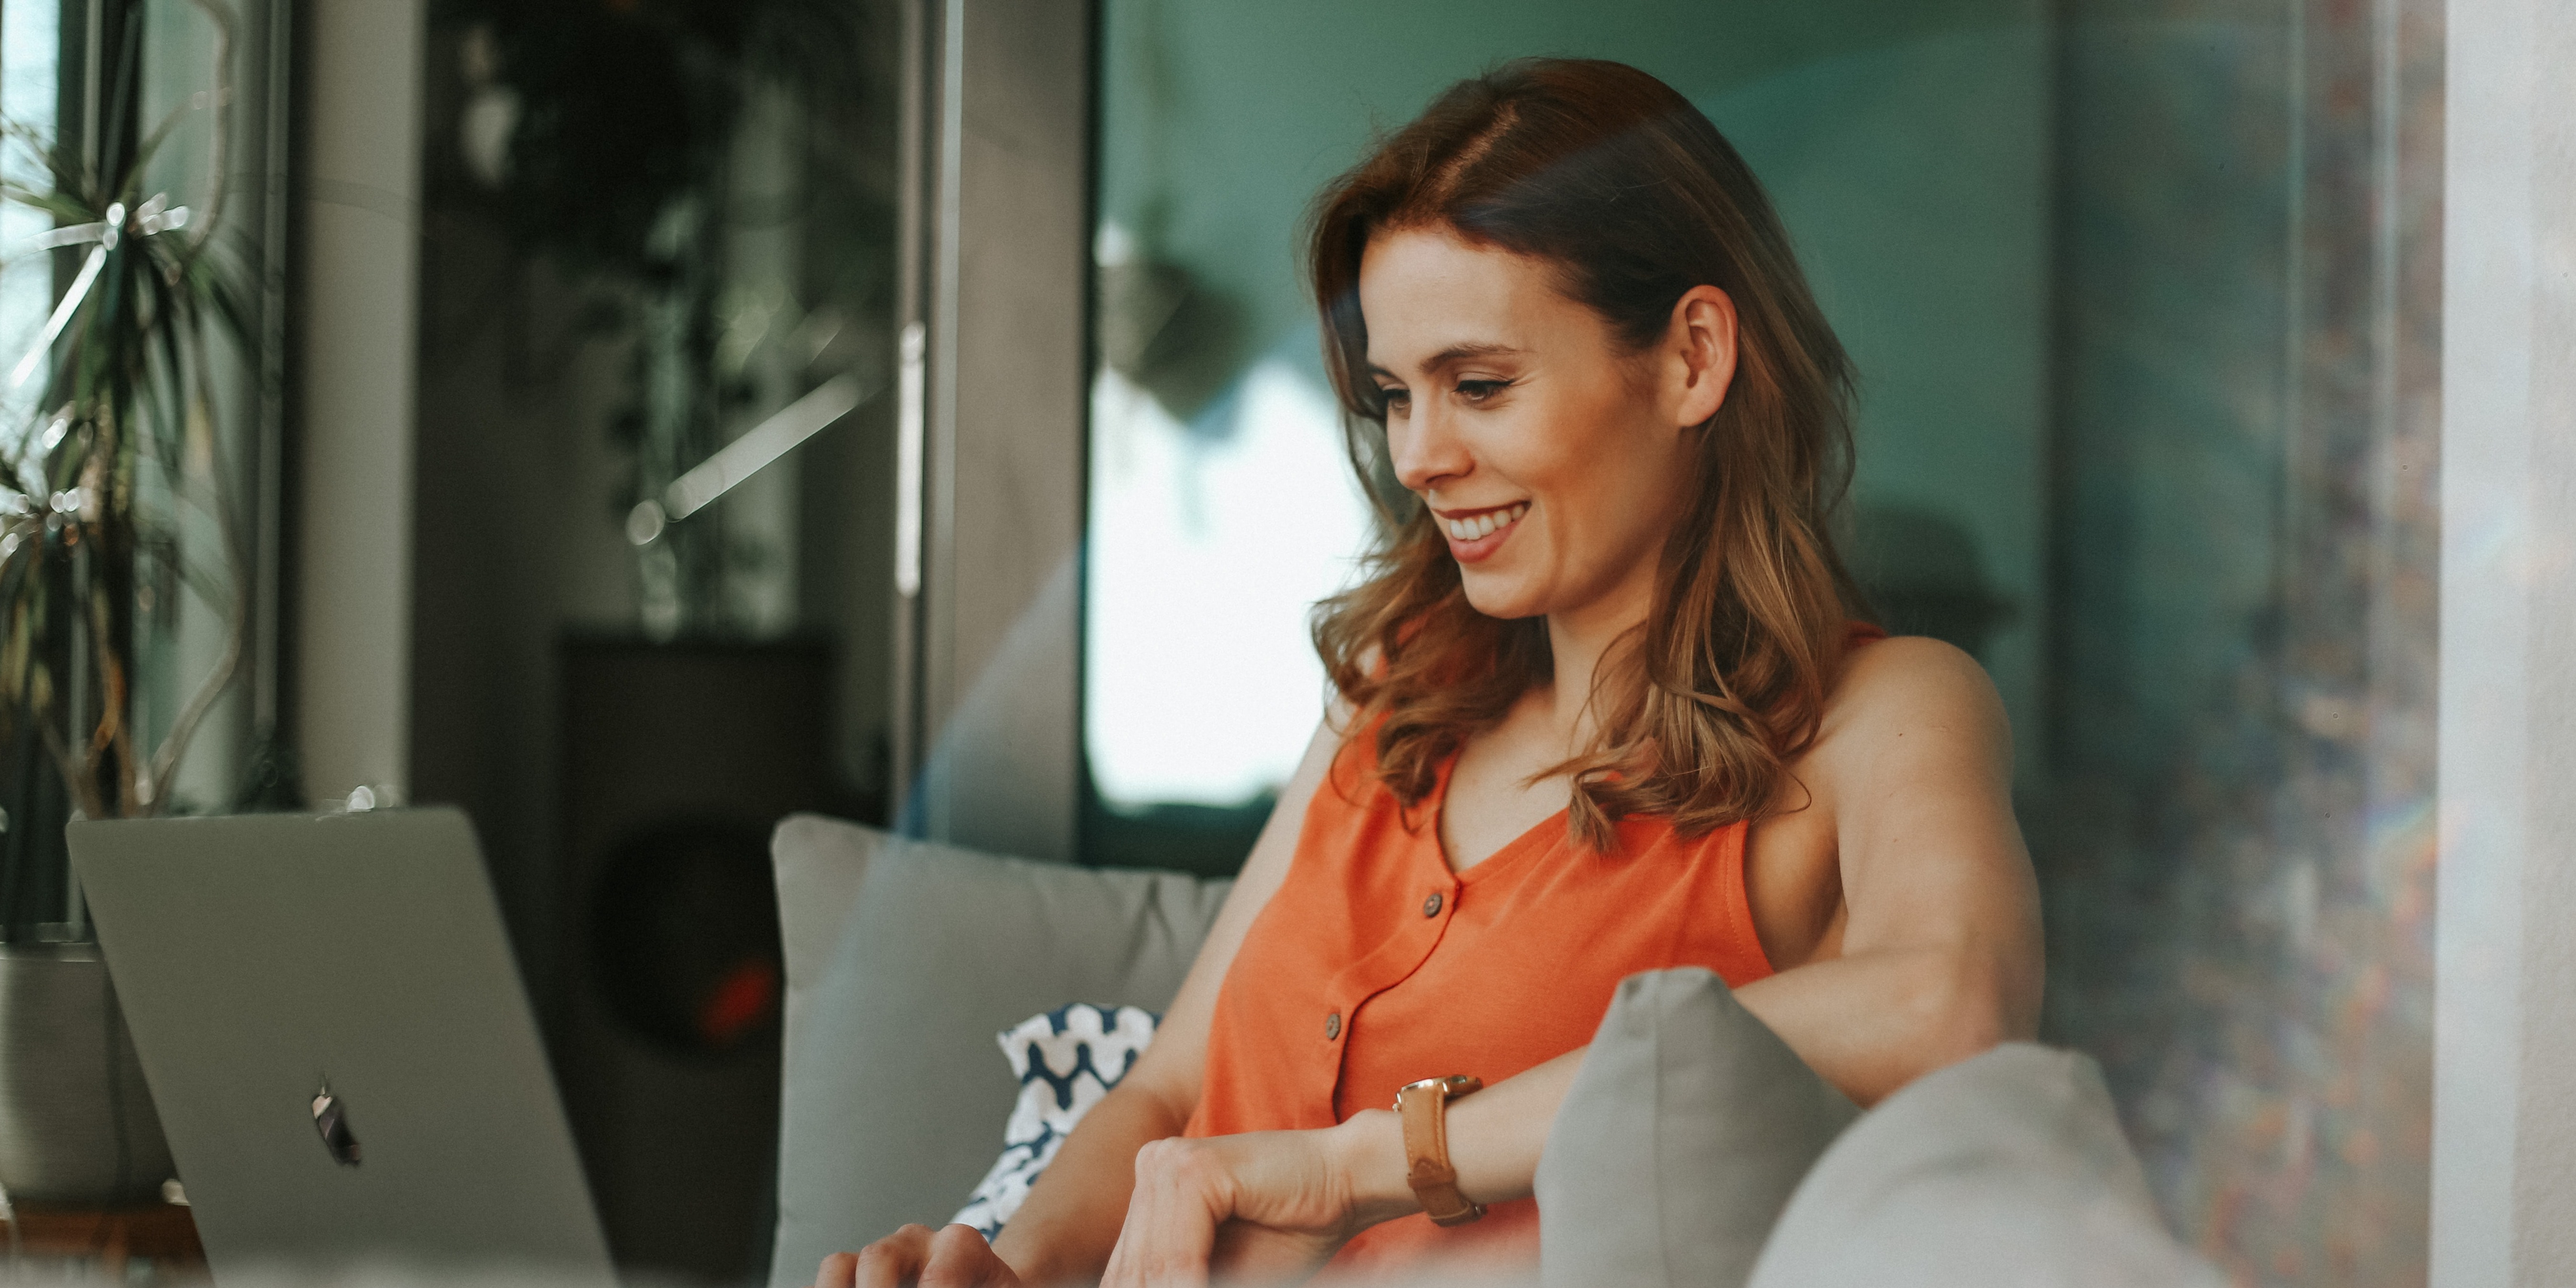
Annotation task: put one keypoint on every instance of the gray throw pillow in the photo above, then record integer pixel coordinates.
(1682, 1138)
(903, 959)
(2008, 1168)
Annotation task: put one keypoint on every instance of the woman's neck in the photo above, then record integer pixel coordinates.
(1579, 641)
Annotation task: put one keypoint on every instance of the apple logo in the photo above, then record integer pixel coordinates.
(331, 1118)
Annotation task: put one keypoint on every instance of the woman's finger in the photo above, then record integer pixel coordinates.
(961, 1257)
(895, 1261)
(840, 1270)
(1172, 1218)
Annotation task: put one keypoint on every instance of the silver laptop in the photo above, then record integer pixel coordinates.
(337, 1040)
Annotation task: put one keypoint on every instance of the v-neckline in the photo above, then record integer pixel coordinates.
(1509, 850)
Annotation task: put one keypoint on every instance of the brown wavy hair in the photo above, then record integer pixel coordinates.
(1633, 196)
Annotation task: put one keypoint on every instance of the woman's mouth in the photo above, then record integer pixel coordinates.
(1474, 536)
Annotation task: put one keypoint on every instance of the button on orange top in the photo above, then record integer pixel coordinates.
(1519, 972)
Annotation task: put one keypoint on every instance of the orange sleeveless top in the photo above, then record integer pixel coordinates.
(1374, 965)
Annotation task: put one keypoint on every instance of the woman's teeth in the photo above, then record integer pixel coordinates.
(1477, 526)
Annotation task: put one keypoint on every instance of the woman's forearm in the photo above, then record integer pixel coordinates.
(1064, 1231)
(1275, 1205)
(1866, 1024)
(1872, 1022)
(1495, 1138)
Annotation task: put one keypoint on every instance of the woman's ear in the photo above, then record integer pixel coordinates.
(1700, 348)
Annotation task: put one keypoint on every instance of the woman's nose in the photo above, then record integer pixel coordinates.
(1426, 450)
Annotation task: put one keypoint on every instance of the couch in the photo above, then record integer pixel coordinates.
(1694, 1149)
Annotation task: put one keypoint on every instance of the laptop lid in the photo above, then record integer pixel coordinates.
(337, 1040)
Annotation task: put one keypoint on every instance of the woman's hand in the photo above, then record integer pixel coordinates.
(956, 1257)
(1256, 1207)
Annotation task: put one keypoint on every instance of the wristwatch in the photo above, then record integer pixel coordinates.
(1424, 1108)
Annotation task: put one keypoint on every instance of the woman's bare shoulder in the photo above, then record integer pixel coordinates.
(1908, 659)
(1914, 688)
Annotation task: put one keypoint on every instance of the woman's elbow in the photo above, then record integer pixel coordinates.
(1972, 1002)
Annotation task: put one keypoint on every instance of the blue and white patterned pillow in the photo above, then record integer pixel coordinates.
(1066, 1060)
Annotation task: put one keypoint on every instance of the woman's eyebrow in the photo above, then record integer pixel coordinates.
(1458, 353)
(1455, 354)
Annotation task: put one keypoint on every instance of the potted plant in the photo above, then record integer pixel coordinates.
(114, 507)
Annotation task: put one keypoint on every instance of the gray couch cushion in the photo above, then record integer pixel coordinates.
(820, 865)
(2008, 1168)
(903, 960)
(1680, 1141)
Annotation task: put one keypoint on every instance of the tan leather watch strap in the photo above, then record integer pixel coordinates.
(1424, 1108)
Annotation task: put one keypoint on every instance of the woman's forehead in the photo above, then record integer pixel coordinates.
(1430, 296)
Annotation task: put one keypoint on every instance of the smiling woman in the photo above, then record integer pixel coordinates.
(1602, 708)
(1604, 295)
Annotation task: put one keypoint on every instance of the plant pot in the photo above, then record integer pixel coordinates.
(77, 1127)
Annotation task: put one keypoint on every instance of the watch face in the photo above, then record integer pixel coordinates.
(1451, 1087)
(1454, 1084)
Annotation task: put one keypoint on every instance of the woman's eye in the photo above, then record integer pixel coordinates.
(1395, 400)
(1476, 391)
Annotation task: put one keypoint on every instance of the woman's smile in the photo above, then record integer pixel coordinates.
(1474, 534)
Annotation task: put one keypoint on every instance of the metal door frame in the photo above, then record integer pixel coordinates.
(994, 374)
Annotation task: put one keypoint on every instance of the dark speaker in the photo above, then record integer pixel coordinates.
(678, 759)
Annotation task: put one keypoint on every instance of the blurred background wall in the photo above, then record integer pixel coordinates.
(647, 230)
(2238, 831)
(354, 326)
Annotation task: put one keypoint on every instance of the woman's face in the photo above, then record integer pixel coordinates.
(1554, 464)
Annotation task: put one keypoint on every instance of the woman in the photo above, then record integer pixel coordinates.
(1601, 709)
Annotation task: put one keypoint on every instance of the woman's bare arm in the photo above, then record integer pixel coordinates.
(1070, 1221)
(1937, 953)
(1066, 1227)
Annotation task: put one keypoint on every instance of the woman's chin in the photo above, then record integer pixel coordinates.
(1503, 597)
